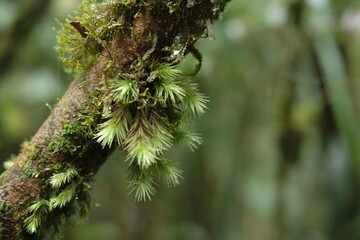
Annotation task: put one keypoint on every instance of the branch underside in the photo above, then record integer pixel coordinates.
(62, 157)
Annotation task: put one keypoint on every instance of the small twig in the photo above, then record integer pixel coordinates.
(80, 28)
(198, 56)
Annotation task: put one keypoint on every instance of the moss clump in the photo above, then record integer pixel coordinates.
(25, 201)
(144, 112)
(146, 108)
(90, 30)
(74, 138)
(68, 201)
(85, 34)
(31, 166)
(151, 104)
(4, 207)
(79, 48)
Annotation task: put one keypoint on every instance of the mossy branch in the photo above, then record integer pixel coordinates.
(127, 94)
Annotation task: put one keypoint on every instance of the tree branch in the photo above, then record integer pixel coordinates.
(65, 144)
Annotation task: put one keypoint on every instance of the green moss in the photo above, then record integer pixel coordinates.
(76, 135)
(4, 207)
(88, 32)
(32, 166)
(145, 109)
(74, 138)
(25, 201)
(67, 200)
(67, 194)
(99, 22)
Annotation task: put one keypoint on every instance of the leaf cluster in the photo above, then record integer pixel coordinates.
(69, 192)
(150, 116)
(147, 107)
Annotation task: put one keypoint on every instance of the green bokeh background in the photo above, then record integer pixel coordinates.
(280, 158)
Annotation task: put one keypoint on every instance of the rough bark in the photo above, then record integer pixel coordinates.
(18, 188)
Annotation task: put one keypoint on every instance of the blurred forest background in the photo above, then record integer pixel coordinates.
(281, 153)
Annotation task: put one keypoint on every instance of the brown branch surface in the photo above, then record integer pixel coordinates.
(16, 184)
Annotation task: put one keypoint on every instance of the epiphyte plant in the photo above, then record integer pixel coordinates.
(128, 93)
(146, 107)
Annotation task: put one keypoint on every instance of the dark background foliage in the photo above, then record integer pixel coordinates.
(279, 159)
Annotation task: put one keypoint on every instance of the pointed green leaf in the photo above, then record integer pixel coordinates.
(124, 90)
(32, 223)
(168, 72)
(40, 206)
(143, 189)
(63, 197)
(194, 101)
(169, 172)
(114, 129)
(59, 179)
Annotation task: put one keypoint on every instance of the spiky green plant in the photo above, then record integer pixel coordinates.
(63, 197)
(143, 187)
(114, 128)
(146, 109)
(59, 179)
(39, 207)
(32, 223)
(148, 120)
(66, 185)
(37, 210)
